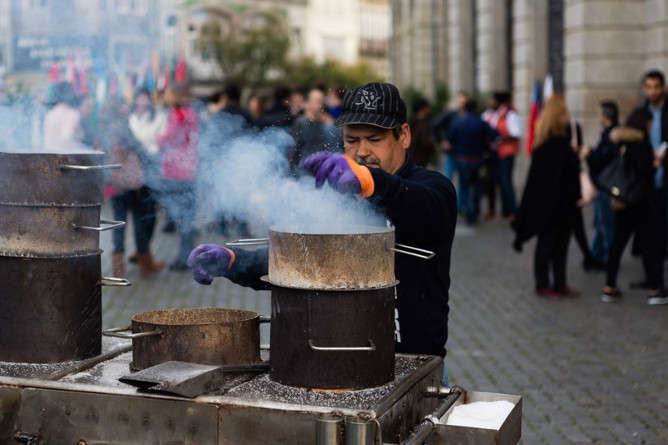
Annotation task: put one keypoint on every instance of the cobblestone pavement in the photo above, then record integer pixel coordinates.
(588, 372)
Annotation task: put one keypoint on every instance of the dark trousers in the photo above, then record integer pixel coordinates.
(469, 188)
(141, 205)
(552, 250)
(580, 234)
(505, 179)
(641, 220)
(491, 169)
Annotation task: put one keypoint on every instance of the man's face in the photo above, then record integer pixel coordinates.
(654, 90)
(376, 147)
(461, 101)
(316, 101)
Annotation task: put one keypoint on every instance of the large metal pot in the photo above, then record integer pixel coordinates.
(211, 336)
(50, 231)
(51, 309)
(50, 203)
(68, 179)
(332, 339)
(322, 257)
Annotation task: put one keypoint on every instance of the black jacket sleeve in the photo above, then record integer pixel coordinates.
(248, 267)
(424, 206)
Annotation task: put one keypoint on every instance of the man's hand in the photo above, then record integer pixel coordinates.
(208, 261)
(341, 172)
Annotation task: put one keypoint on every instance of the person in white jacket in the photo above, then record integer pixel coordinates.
(62, 123)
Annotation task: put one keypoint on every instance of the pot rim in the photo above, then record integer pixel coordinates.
(267, 279)
(329, 229)
(161, 317)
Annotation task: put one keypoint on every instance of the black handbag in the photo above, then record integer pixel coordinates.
(622, 185)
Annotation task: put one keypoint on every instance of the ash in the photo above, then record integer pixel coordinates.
(33, 370)
(263, 388)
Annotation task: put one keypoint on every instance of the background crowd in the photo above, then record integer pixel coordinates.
(162, 139)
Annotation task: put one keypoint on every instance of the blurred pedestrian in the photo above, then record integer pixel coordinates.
(335, 100)
(62, 123)
(179, 159)
(638, 215)
(469, 137)
(502, 116)
(422, 146)
(147, 124)
(314, 131)
(256, 106)
(549, 202)
(440, 125)
(597, 160)
(129, 194)
(278, 114)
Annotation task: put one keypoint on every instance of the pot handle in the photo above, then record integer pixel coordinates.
(91, 167)
(112, 225)
(371, 347)
(265, 319)
(116, 332)
(413, 251)
(113, 281)
(249, 242)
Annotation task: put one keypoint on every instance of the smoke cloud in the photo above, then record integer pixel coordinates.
(244, 174)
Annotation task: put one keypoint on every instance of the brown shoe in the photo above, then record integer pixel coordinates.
(117, 264)
(147, 265)
(133, 258)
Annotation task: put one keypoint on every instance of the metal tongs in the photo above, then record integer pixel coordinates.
(403, 248)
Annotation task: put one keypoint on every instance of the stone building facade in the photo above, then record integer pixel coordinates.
(36, 33)
(593, 49)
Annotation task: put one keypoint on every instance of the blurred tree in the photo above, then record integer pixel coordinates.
(254, 56)
(330, 72)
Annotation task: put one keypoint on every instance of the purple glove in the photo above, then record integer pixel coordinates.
(341, 172)
(208, 261)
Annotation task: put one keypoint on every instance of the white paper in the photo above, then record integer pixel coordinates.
(487, 415)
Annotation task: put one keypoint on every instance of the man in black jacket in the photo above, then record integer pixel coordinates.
(420, 203)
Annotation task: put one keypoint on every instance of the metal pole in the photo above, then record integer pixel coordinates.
(360, 431)
(426, 428)
(329, 430)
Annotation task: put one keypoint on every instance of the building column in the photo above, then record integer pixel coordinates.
(460, 42)
(607, 44)
(530, 58)
(491, 45)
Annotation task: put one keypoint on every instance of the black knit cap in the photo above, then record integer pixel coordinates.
(375, 103)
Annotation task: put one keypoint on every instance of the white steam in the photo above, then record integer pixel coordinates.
(244, 174)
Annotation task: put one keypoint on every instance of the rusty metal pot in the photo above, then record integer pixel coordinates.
(50, 203)
(332, 257)
(211, 336)
(51, 308)
(68, 179)
(50, 231)
(332, 339)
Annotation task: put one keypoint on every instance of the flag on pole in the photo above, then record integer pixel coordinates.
(54, 72)
(533, 115)
(180, 74)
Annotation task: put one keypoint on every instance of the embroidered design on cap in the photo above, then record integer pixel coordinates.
(369, 99)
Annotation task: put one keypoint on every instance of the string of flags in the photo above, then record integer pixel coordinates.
(154, 74)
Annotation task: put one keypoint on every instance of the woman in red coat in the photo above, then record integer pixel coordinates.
(178, 151)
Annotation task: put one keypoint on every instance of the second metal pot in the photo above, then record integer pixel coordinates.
(211, 336)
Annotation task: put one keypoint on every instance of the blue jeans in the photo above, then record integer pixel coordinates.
(505, 179)
(604, 226)
(449, 167)
(469, 189)
(446, 380)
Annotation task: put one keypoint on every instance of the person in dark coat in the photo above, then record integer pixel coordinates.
(279, 114)
(549, 203)
(632, 142)
(422, 146)
(420, 203)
